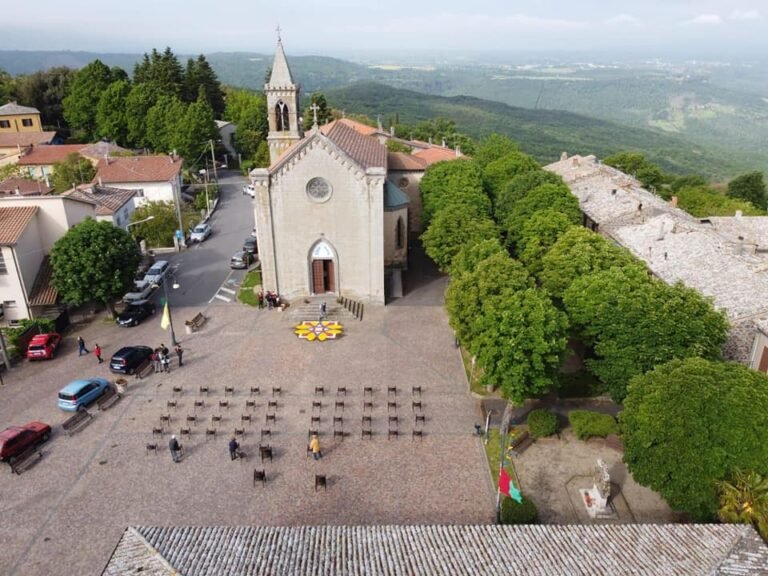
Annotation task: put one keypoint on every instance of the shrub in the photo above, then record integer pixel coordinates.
(513, 512)
(542, 423)
(587, 424)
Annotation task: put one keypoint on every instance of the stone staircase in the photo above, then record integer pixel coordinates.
(309, 309)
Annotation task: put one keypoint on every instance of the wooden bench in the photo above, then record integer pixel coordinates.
(341, 391)
(77, 421)
(417, 434)
(368, 433)
(321, 480)
(109, 398)
(613, 441)
(259, 476)
(421, 418)
(255, 390)
(416, 390)
(520, 443)
(368, 390)
(144, 369)
(229, 390)
(265, 452)
(25, 459)
(196, 322)
(339, 404)
(250, 404)
(338, 434)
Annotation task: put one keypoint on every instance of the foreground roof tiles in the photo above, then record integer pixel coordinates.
(12, 108)
(23, 139)
(139, 169)
(108, 200)
(43, 293)
(47, 154)
(24, 187)
(13, 221)
(545, 550)
(366, 151)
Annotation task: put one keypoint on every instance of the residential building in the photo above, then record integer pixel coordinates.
(15, 118)
(154, 178)
(38, 161)
(113, 205)
(227, 136)
(24, 187)
(13, 145)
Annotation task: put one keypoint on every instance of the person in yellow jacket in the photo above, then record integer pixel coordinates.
(314, 446)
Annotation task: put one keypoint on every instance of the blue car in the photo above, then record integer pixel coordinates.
(81, 393)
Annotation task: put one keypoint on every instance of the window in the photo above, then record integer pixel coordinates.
(282, 121)
(402, 183)
(27, 122)
(5, 123)
(318, 189)
(400, 234)
(3, 269)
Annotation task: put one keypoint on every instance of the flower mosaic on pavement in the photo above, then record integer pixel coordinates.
(318, 330)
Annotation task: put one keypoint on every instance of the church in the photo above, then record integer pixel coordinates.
(335, 208)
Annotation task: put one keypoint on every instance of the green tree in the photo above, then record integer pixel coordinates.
(497, 276)
(83, 94)
(94, 261)
(517, 188)
(498, 173)
(324, 113)
(448, 182)
(470, 256)
(744, 500)
(437, 130)
(200, 74)
(7, 86)
(690, 423)
(576, 253)
(519, 341)
(455, 226)
(703, 201)
(539, 234)
(111, 117)
(635, 164)
(262, 158)
(71, 171)
(162, 70)
(688, 181)
(138, 103)
(494, 147)
(45, 90)
(248, 111)
(164, 124)
(159, 232)
(545, 197)
(196, 129)
(749, 187)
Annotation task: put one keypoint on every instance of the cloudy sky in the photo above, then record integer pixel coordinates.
(339, 27)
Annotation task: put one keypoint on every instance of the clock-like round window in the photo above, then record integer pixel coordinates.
(318, 189)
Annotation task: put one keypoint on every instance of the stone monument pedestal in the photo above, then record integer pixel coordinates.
(597, 506)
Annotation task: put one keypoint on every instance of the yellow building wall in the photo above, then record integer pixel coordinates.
(16, 125)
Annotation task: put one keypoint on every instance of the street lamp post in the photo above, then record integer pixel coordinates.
(168, 304)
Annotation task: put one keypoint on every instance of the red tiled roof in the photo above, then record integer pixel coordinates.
(25, 186)
(403, 161)
(108, 200)
(47, 154)
(358, 127)
(138, 169)
(435, 154)
(24, 139)
(43, 293)
(13, 222)
(364, 150)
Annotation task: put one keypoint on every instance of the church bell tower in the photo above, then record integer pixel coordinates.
(282, 106)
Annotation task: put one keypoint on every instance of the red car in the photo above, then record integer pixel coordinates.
(16, 439)
(43, 346)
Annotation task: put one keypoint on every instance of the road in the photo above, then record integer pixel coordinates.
(202, 270)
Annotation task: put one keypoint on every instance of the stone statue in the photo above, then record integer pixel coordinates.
(602, 480)
(596, 499)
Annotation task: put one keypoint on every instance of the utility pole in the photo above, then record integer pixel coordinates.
(213, 158)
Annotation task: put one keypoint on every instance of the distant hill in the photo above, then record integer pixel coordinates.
(544, 134)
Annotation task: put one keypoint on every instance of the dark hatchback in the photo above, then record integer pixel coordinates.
(135, 312)
(250, 245)
(129, 358)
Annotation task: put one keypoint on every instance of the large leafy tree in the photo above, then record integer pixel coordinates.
(248, 111)
(545, 197)
(159, 232)
(138, 103)
(199, 74)
(516, 189)
(437, 130)
(196, 129)
(111, 112)
(83, 94)
(576, 253)
(498, 173)
(703, 201)
(164, 124)
(161, 69)
(519, 341)
(744, 500)
(749, 187)
(496, 276)
(539, 234)
(494, 147)
(46, 90)
(324, 112)
(690, 423)
(94, 261)
(635, 322)
(455, 226)
(71, 171)
(448, 182)
(7, 86)
(470, 256)
(635, 164)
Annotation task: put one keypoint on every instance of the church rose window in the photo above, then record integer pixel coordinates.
(318, 189)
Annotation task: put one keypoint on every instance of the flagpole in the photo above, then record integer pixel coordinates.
(498, 495)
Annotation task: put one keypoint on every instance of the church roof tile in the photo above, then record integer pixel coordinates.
(364, 150)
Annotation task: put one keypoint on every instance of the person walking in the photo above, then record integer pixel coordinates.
(323, 311)
(81, 346)
(165, 361)
(175, 449)
(97, 353)
(314, 446)
(234, 449)
(156, 359)
(179, 353)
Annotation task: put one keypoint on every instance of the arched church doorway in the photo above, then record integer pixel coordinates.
(323, 269)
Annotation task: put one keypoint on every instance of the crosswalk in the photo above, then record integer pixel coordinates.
(228, 295)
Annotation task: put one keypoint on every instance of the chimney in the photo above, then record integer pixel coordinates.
(106, 159)
(739, 214)
(673, 202)
(392, 130)
(458, 151)
(563, 156)
(47, 182)
(17, 191)
(443, 142)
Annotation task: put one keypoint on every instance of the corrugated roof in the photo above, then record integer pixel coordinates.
(543, 550)
(139, 169)
(47, 154)
(12, 108)
(364, 150)
(24, 139)
(25, 186)
(13, 221)
(108, 200)
(394, 198)
(43, 293)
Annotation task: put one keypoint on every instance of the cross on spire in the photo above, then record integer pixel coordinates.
(314, 109)
(278, 29)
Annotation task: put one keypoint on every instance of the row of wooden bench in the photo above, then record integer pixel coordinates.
(319, 390)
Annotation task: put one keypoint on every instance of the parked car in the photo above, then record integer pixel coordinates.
(157, 273)
(129, 358)
(43, 346)
(250, 245)
(250, 190)
(135, 312)
(141, 291)
(241, 260)
(15, 439)
(80, 393)
(200, 233)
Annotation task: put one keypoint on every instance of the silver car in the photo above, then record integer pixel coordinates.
(200, 233)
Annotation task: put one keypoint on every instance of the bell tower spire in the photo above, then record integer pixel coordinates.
(282, 105)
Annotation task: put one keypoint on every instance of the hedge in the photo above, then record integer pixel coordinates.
(587, 424)
(513, 512)
(542, 423)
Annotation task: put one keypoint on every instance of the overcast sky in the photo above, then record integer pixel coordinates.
(339, 27)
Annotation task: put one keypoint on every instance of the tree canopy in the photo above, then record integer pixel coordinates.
(324, 112)
(635, 164)
(703, 201)
(690, 423)
(539, 234)
(111, 112)
(159, 232)
(71, 171)
(248, 111)
(518, 187)
(94, 261)
(556, 197)
(453, 227)
(470, 256)
(749, 187)
(449, 182)
(498, 173)
(82, 100)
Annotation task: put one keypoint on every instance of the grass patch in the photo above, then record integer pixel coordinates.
(493, 453)
(580, 384)
(472, 377)
(246, 295)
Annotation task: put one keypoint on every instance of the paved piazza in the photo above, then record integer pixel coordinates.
(66, 513)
